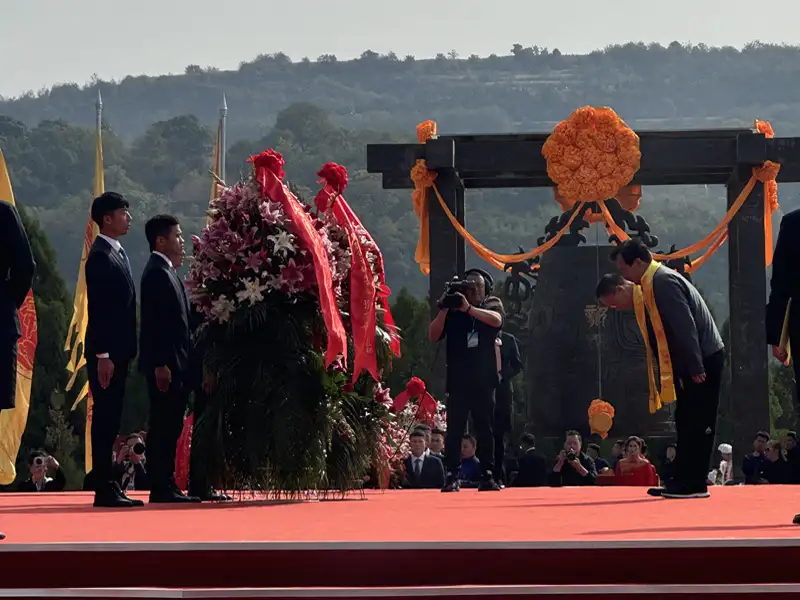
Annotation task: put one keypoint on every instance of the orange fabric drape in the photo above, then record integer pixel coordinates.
(628, 197)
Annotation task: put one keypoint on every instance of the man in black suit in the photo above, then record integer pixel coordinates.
(532, 464)
(423, 470)
(784, 286)
(110, 339)
(510, 364)
(16, 277)
(164, 354)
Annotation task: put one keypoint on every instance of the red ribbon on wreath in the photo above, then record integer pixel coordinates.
(415, 388)
(269, 173)
(363, 291)
(183, 453)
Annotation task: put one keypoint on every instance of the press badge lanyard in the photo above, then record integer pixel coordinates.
(472, 337)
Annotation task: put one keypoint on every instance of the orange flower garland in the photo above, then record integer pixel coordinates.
(592, 155)
(423, 179)
(767, 174)
(601, 417)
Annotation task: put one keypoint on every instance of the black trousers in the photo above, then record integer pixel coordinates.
(198, 486)
(695, 422)
(503, 408)
(477, 401)
(8, 371)
(166, 423)
(106, 416)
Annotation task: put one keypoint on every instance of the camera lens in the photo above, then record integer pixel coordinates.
(138, 448)
(38, 461)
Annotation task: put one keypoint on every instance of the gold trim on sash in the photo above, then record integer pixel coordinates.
(644, 300)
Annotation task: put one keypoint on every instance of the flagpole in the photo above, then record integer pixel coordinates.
(223, 120)
(98, 106)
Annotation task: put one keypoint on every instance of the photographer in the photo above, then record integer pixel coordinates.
(573, 467)
(129, 468)
(39, 464)
(471, 322)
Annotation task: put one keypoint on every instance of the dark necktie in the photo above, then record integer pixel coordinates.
(417, 468)
(125, 260)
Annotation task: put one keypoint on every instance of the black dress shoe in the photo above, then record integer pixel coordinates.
(107, 499)
(488, 484)
(2, 536)
(211, 496)
(172, 497)
(451, 484)
(796, 522)
(118, 491)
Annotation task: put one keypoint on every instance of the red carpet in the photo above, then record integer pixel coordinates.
(408, 538)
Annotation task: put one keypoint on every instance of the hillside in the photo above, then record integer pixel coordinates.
(159, 136)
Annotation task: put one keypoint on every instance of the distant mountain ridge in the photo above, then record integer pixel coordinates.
(529, 90)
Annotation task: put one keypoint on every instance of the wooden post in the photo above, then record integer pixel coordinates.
(448, 252)
(749, 390)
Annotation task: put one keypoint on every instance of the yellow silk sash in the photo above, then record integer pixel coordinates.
(785, 334)
(644, 299)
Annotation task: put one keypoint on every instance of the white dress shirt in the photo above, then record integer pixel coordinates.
(164, 256)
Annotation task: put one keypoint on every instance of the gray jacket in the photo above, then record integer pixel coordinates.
(691, 332)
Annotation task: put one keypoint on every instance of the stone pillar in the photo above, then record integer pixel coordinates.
(749, 390)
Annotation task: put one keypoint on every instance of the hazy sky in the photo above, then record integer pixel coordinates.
(44, 42)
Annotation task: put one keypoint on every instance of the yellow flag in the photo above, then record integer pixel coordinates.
(76, 334)
(216, 167)
(13, 421)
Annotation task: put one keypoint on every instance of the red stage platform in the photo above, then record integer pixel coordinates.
(600, 542)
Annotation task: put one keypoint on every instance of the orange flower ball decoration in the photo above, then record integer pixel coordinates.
(601, 417)
(592, 155)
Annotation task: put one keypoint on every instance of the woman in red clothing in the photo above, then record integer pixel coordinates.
(635, 469)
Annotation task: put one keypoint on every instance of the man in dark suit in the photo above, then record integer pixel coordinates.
(110, 339)
(784, 287)
(532, 464)
(164, 354)
(510, 367)
(423, 470)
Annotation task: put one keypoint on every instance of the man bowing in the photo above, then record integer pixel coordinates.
(682, 339)
(164, 342)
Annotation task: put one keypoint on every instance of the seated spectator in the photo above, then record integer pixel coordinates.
(667, 470)
(751, 465)
(470, 472)
(792, 457)
(39, 465)
(130, 470)
(617, 452)
(422, 470)
(635, 469)
(774, 468)
(573, 467)
(531, 465)
(600, 464)
(436, 445)
(724, 474)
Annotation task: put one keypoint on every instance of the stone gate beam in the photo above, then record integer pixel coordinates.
(749, 391)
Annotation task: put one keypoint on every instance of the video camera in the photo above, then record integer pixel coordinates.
(451, 291)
